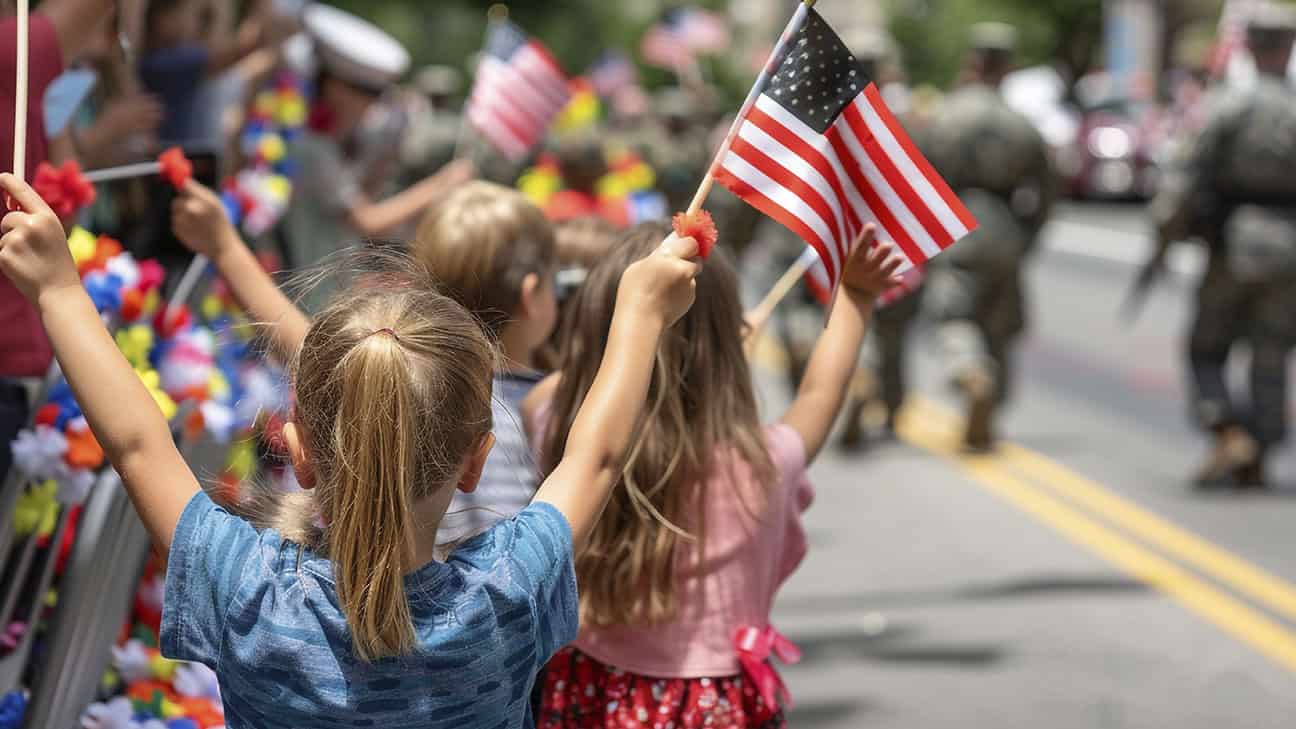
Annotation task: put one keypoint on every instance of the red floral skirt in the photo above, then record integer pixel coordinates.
(579, 692)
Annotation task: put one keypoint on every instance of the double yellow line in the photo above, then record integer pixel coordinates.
(1123, 533)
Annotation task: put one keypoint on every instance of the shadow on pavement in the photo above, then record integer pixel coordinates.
(815, 713)
(1045, 585)
(897, 644)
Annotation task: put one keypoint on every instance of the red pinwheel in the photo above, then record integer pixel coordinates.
(175, 167)
(63, 188)
(700, 227)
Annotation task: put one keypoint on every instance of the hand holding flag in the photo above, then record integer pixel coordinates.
(816, 148)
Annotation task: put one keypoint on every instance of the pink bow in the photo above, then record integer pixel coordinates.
(754, 646)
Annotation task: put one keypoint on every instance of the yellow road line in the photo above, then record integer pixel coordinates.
(1227, 613)
(1219, 563)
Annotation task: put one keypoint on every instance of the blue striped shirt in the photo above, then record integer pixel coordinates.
(264, 614)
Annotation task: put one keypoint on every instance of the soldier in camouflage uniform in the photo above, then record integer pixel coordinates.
(998, 164)
(878, 388)
(1235, 188)
(674, 142)
(434, 131)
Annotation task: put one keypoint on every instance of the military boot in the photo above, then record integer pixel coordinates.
(1251, 475)
(1234, 451)
(978, 387)
(863, 390)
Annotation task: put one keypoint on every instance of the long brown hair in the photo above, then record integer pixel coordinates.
(700, 402)
(393, 390)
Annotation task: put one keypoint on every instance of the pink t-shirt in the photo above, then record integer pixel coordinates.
(754, 541)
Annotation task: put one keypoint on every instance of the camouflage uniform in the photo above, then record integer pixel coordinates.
(998, 164)
(879, 383)
(1235, 188)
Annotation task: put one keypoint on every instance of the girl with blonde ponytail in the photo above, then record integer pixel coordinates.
(338, 610)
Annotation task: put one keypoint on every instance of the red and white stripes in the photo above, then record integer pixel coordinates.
(825, 187)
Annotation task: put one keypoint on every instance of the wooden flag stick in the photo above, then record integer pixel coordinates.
(783, 286)
(188, 282)
(793, 26)
(496, 13)
(20, 96)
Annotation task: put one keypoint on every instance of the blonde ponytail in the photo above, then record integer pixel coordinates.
(371, 533)
(393, 391)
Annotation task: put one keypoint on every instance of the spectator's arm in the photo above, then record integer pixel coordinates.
(372, 219)
(76, 22)
(249, 37)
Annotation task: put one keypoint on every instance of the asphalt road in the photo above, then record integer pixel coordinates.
(1072, 579)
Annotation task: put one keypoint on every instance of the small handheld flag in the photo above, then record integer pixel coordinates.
(818, 150)
(518, 90)
(681, 34)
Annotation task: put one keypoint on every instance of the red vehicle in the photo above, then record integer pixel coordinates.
(1112, 156)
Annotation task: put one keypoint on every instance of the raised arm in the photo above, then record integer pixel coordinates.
(199, 221)
(121, 413)
(654, 293)
(870, 271)
(372, 219)
(76, 22)
(250, 36)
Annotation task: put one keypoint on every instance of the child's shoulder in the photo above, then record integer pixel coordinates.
(537, 539)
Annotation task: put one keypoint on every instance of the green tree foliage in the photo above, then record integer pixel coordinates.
(933, 33)
(577, 31)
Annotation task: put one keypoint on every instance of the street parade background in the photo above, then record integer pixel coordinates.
(1061, 494)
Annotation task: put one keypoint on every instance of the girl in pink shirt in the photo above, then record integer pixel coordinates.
(677, 580)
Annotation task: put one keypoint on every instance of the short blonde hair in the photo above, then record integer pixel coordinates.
(480, 243)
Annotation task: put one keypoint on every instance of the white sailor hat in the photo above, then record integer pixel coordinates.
(1271, 25)
(353, 49)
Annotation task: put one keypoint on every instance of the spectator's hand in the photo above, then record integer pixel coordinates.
(872, 267)
(198, 219)
(33, 248)
(661, 284)
(135, 114)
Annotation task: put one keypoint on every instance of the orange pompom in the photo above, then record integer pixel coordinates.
(700, 227)
(176, 168)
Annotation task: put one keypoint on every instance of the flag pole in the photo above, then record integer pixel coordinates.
(793, 26)
(496, 13)
(20, 96)
(784, 285)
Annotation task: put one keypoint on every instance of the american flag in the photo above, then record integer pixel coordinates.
(681, 33)
(518, 91)
(818, 150)
(611, 73)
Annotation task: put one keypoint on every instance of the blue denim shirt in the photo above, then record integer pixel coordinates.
(264, 614)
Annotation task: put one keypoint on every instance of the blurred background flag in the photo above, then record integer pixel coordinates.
(518, 90)
(612, 72)
(681, 34)
(820, 152)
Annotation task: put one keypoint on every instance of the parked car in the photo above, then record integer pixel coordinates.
(1112, 155)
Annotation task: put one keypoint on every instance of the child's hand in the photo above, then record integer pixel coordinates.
(33, 249)
(198, 219)
(872, 267)
(661, 283)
